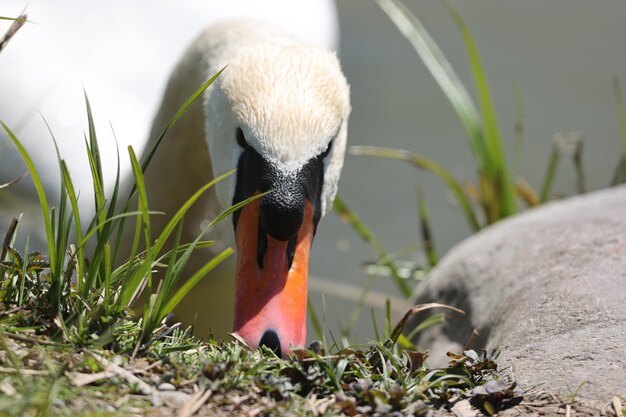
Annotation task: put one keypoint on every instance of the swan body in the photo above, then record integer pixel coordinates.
(278, 113)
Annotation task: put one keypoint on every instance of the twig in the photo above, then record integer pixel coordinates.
(32, 372)
(9, 312)
(194, 404)
(149, 367)
(617, 406)
(163, 335)
(127, 375)
(17, 24)
(568, 410)
(27, 339)
(8, 184)
(80, 379)
(471, 340)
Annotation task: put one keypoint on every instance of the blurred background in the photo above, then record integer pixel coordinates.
(557, 57)
(560, 55)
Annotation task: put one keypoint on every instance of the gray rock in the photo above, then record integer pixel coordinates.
(166, 386)
(548, 289)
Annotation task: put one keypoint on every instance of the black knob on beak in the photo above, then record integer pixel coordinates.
(282, 210)
(270, 340)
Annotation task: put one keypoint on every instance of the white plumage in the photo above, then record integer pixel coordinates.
(290, 100)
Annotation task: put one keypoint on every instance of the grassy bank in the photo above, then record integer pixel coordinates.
(70, 344)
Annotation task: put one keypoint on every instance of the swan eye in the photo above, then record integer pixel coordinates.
(328, 149)
(241, 139)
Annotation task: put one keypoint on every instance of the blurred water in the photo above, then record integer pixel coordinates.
(561, 56)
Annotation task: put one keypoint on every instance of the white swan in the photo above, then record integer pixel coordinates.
(288, 99)
(278, 113)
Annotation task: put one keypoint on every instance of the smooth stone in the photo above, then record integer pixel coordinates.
(166, 386)
(547, 288)
(174, 399)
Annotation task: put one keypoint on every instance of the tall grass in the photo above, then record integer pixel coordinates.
(496, 191)
(620, 173)
(78, 296)
(493, 196)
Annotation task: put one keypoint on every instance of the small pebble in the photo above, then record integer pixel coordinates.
(118, 360)
(166, 386)
(174, 399)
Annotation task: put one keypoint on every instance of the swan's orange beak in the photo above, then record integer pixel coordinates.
(271, 288)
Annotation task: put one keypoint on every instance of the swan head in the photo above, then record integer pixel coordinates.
(279, 114)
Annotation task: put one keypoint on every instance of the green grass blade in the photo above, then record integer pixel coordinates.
(176, 218)
(493, 142)
(122, 268)
(43, 409)
(427, 236)
(145, 269)
(183, 248)
(233, 209)
(151, 150)
(62, 238)
(349, 217)
(98, 186)
(107, 277)
(520, 120)
(167, 284)
(143, 199)
(174, 119)
(112, 219)
(620, 175)
(21, 18)
(375, 327)
(73, 200)
(548, 178)
(184, 258)
(133, 277)
(102, 234)
(195, 278)
(41, 194)
(93, 143)
(113, 202)
(9, 238)
(388, 325)
(430, 321)
(405, 343)
(428, 165)
(169, 228)
(621, 112)
(442, 71)
(62, 232)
